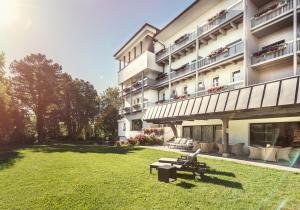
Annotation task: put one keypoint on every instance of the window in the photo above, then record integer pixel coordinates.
(201, 86)
(129, 56)
(187, 132)
(137, 100)
(136, 125)
(273, 134)
(141, 43)
(236, 76)
(164, 96)
(173, 94)
(185, 90)
(124, 126)
(216, 82)
(134, 52)
(204, 133)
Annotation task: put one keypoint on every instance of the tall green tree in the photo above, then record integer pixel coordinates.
(34, 81)
(107, 120)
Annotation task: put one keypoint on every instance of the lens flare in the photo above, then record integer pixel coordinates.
(8, 12)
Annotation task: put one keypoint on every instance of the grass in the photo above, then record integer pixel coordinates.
(66, 176)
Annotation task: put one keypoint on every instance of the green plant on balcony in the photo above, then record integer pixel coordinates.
(181, 39)
(218, 15)
(218, 51)
(136, 106)
(215, 89)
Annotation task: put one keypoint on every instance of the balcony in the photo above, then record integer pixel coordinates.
(221, 21)
(298, 44)
(144, 62)
(219, 25)
(204, 92)
(136, 108)
(272, 54)
(137, 86)
(272, 18)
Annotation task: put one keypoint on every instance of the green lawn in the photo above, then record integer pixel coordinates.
(69, 176)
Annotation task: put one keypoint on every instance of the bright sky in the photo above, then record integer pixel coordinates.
(81, 35)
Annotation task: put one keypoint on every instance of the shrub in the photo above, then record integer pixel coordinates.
(133, 141)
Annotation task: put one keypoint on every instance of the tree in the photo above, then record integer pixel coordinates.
(106, 122)
(34, 80)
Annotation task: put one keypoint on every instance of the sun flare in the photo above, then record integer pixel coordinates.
(8, 12)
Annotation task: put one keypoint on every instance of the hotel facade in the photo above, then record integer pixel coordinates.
(221, 71)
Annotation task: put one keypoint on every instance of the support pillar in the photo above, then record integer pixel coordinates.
(295, 38)
(226, 152)
(170, 60)
(142, 101)
(174, 129)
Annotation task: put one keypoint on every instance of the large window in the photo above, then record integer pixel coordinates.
(136, 125)
(273, 134)
(204, 133)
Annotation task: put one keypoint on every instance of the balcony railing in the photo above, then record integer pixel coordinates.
(162, 54)
(231, 13)
(298, 43)
(273, 55)
(191, 37)
(202, 63)
(138, 85)
(209, 91)
(230, 52)
(268, 16)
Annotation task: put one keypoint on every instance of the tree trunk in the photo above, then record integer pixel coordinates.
(40, 126)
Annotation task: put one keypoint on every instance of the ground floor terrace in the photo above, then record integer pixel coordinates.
(259, 122)
(77, 176)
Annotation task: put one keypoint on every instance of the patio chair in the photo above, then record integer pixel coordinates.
(206, 147)
(175, 160)
(255, 153)
(237, 149)
(283, 153)
(182, 143)
(174, 143)
(188, 145)
(189, 164)
(269, 154)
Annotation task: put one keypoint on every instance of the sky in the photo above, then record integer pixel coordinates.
(80, 35)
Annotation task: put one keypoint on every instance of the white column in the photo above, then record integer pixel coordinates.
(170, 60)
(295, 37)
(130, 96)
(197, 72)
(142, 91)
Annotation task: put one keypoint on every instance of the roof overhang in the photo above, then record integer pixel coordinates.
(280, 98)
(190, 14)
(146, 29)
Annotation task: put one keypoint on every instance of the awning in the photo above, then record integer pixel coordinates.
(271, 99)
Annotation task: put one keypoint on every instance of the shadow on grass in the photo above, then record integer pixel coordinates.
(226, 183)
(185, 185)
(49, 148)
(223, 173)
(8, 159)
(211, 180)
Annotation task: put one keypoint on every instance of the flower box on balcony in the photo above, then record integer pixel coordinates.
(127, 109)
(270, 9)
(126, 89)
(181, 39)
(161, 76)
(218, 51)
(181, 68)
(160, 101)
(271, 48)
(215, 89)
(137, 106)
(161, 52)
(136, 84)
(218, 15)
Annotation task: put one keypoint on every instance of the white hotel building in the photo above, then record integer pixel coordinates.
(222, 70)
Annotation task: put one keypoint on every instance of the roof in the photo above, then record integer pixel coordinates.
(178, 16)
(270, 99)
(144, 26)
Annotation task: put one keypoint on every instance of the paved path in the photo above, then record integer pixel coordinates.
(246, 162)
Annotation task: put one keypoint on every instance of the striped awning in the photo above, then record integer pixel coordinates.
(271, 99)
